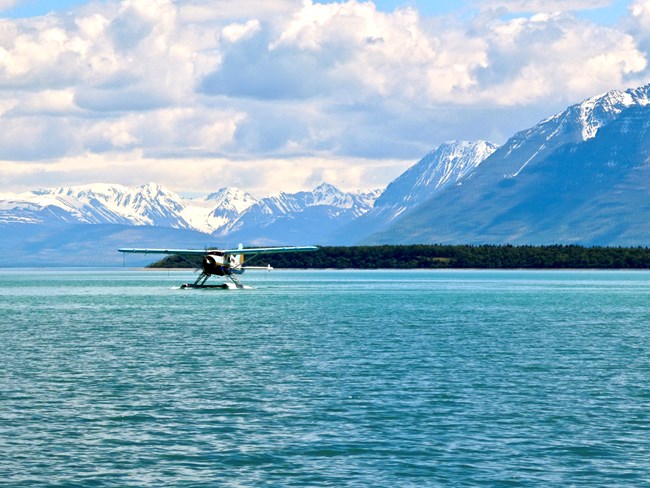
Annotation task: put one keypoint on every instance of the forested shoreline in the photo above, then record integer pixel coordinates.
(447, 256)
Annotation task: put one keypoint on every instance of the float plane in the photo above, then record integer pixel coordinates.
(221, 262)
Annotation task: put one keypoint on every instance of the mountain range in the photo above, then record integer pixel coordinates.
(229, 212)
(580, 176)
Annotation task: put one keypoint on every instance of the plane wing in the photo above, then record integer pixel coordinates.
(270, 250)
(184, 252)
(203, 252)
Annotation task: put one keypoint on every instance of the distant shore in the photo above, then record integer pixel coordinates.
(439, 256)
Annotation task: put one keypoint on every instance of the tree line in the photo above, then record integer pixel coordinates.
(447, 256)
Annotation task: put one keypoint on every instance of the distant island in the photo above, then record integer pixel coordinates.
(450, 257)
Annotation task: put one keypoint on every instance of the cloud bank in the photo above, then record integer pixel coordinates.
(273, 95)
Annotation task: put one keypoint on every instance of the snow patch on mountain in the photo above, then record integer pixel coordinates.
(578, 123)
(217, 209)
(593, 113)
(449, 164)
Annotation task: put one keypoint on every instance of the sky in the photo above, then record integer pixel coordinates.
(280, 95)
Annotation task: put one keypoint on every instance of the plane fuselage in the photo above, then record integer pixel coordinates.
(221, 264)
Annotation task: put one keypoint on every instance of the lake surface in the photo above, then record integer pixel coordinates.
(325, 378)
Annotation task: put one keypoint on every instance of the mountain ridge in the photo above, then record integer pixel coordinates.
(219, 213)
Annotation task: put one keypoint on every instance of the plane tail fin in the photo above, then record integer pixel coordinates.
(239, 258)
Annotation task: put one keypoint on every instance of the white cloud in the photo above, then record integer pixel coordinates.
(556, 57)
(639, 21)
(202, 175)
(398, 56)
(332, 90)
(236, 32)
(6, 4)
(211, 11)
(52, 102)
(544, 6)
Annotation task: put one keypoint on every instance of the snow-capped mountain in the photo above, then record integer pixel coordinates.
(217, 209)
(578, 123)
(581, 176)
(323, 195)
(449, 164)
(303, 217)
(148, 204)
(152, 204)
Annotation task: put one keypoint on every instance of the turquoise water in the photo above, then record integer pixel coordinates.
(325, 378)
